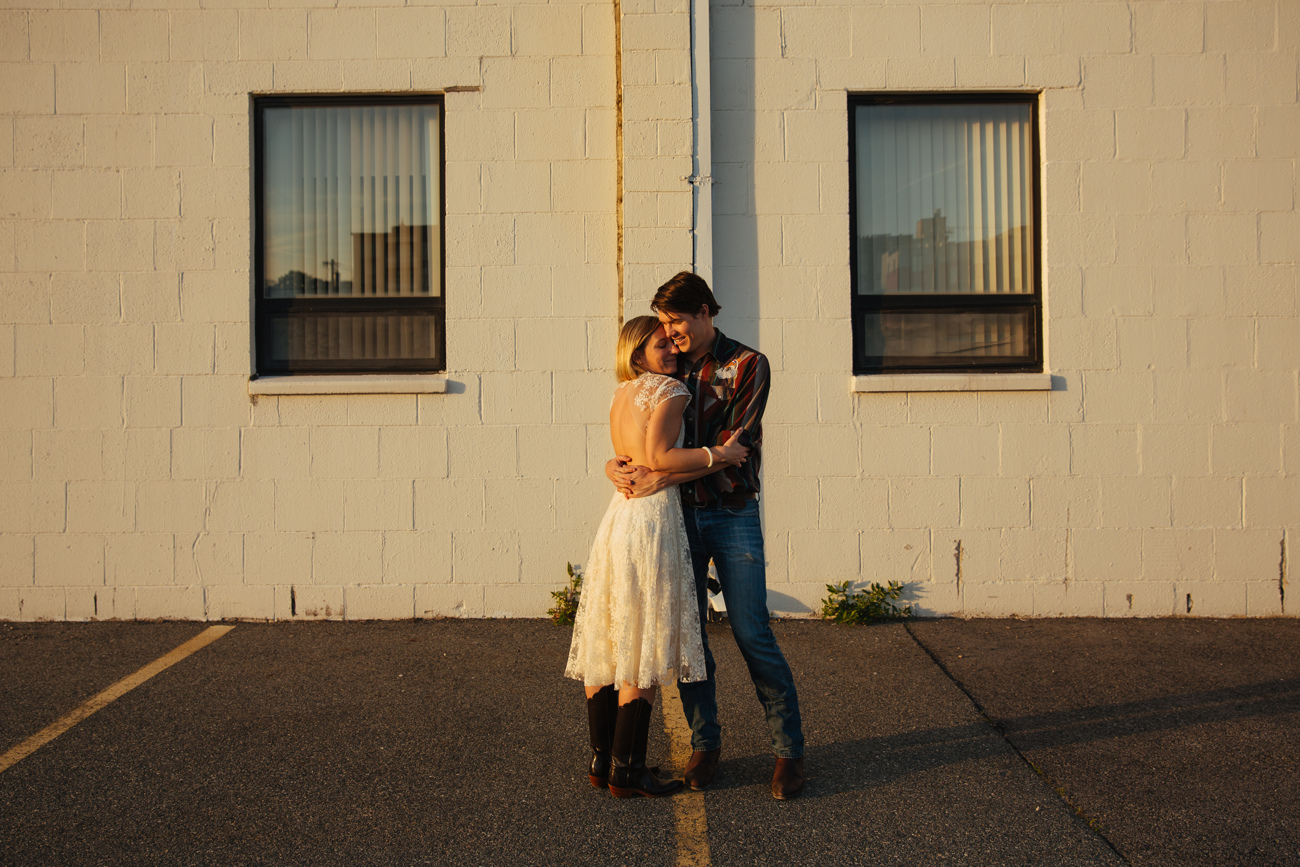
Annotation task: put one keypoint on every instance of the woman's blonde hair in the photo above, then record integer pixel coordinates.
(636, 331)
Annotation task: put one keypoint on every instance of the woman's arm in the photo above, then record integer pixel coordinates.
(661, 437)
(633, 480)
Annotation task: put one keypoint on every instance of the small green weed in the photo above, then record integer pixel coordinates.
(566, 599)
(845, 605)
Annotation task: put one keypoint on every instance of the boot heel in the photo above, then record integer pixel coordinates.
(598, 782)
(619, 792)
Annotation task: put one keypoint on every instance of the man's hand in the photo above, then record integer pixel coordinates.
(632, 480)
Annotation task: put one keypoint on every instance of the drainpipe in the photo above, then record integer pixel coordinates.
(702, 157)
(702, 181)
(618, 150)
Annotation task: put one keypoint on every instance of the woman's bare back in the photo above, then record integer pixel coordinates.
(635, 403)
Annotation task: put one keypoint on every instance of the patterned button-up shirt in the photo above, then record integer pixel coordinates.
(729, 386)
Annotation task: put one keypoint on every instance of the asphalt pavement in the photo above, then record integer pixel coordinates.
(980, 742)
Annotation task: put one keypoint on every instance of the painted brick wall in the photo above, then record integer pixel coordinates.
(1160, 477)
(139, 479)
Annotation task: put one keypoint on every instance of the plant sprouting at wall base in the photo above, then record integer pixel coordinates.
(566, 599)
(845, 605)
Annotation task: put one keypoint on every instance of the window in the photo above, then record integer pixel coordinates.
(944, 221)
(348, 250)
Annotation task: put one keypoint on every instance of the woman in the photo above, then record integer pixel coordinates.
(637, 622)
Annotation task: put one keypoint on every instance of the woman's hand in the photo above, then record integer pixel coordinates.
(731, 453)
(634, 481)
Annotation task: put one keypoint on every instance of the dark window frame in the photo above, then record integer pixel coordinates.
(265, 308)
(864, 304)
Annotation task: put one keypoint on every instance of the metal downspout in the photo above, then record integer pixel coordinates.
(702, 156)
(620, 256)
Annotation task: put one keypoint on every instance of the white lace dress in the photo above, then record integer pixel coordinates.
(637, 618)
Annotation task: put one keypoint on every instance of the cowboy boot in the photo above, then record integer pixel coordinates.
(701, 768)
(787, 779)
(629, 776)
(602, 711)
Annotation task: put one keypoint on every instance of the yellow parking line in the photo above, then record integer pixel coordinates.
(692, 823)
(108, 696)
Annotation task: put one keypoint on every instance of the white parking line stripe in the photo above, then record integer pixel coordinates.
(692, 823)
(108, 696)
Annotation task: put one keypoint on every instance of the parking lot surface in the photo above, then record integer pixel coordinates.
(1060, 742)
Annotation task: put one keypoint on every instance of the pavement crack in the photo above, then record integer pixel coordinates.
(1091, 824)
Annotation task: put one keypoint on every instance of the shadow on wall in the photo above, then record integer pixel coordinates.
(735, 224)
(781, 604)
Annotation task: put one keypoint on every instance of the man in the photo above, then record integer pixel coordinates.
(729, 384)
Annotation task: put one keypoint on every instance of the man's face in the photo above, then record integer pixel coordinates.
(690, 333)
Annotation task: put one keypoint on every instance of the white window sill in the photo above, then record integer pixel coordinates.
(387, 383)
(953, 382)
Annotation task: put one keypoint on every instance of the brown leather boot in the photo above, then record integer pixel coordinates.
(701, 768)
(787, 779)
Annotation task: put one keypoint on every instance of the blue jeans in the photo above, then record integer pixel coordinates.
(734, 540)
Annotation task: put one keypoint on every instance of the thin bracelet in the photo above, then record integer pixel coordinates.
(709, 452)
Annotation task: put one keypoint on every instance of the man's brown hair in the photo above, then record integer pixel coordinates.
(685, 292)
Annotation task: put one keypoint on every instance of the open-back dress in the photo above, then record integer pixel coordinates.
(638, 620)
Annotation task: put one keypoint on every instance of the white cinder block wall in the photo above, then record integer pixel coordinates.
(139, 479)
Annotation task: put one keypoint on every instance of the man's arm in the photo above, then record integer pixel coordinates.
(752, 389)
(743, 414)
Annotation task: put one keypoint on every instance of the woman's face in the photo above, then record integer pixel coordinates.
(659, 353)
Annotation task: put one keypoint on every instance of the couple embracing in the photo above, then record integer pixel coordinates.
(686, 424)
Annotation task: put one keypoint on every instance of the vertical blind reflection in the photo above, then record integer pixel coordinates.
(354, 338)
(945, 199)
(942, 338)
(351, 201)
